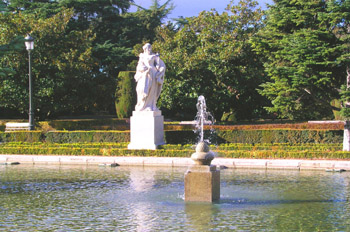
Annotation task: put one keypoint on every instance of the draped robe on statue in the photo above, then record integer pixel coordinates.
(149, 77)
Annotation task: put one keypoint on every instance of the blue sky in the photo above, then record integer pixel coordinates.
(188, 8)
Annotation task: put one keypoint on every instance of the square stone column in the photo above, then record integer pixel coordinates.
(202, 183)
(146, 130)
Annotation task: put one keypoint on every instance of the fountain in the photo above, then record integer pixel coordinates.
(202, 156)
(44, 197)
(202, 180)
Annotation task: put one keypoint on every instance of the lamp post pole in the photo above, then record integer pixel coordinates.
(31, 111)
(29, 42)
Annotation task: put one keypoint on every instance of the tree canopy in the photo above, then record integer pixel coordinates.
(62, 64)
(290, 61)
(211, 56)
(80, 47)
(304, 56)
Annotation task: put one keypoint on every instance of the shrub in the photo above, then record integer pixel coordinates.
(258, 151)
(182, 137)
(86, 124)
(280, 136)
(125, 94)
(87, 136)
(22, 136)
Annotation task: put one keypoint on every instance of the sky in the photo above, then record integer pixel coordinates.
(188, 8)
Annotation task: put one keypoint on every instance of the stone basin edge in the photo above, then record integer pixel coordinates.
(297, 164)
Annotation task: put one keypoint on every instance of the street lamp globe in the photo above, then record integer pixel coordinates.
(29, 42)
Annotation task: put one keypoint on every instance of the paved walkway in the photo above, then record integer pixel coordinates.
(177, 162)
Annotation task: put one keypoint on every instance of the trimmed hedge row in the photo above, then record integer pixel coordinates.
(280, 136)
(281, 154)
(88, 124)
(181, 137)
(278, 147)
(123, 124)
(22, 136)
(86, 136)
(190, 147)
(293, 126)
(65, 136)
(94, 151)
(273, 151)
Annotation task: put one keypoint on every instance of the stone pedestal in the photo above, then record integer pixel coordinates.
(146, 130)
(202, 183)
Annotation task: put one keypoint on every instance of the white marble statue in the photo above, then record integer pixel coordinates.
(149, 77)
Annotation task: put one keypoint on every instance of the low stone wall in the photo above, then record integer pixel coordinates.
(179, 162)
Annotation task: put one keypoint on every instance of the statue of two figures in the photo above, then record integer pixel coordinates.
(149, 77)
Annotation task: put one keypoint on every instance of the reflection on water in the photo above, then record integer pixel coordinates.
(90, 198)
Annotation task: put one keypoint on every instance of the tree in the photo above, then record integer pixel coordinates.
(303, 55)
(340, 18)
(211, 55)
(147, 21)
(61, 65)
(115, 32)
(15, 45)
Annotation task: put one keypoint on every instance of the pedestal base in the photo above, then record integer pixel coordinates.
(146, 130)
(202, 184)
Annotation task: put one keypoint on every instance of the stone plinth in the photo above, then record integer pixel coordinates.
(146, 130)
(202, 183)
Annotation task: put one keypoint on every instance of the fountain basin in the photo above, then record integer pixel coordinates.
(90, 198)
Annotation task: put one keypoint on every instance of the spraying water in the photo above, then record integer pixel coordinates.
(202, 118)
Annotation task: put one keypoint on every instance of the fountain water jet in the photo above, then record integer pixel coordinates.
(202, 156)
(202, 180)
(203, 117)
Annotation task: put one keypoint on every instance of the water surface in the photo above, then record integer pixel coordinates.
(91, 198)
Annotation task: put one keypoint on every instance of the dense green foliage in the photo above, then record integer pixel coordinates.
(85, 124)
(181, 136)
(306, 45)
(80, 47)
(62, 64)
(14, 45)
(125, 94)
(211, 56)
(292, 60)
(262, 151)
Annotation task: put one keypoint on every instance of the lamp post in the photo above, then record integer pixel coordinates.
(29, 42)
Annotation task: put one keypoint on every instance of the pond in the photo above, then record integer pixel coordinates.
(92, 198)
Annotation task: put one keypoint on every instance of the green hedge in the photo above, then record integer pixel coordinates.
(21, 136)
(280, 136)
(281, 154)
(182, 137)
(87, 124)
(261, 151)
(278, 147)
(86, 136)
